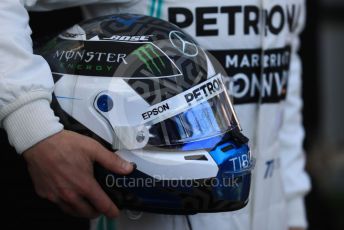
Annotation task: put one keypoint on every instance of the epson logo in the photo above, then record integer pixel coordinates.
(128, 38)
(155, 111)
(204, 91)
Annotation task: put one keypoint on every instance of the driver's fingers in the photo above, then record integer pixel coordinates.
(111, 161)
(98, 198)
(75, 205)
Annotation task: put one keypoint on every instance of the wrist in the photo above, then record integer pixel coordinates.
(30, 124)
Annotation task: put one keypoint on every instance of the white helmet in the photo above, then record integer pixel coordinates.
(145, 89)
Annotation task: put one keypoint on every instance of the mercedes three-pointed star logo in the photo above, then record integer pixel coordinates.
(186, 47)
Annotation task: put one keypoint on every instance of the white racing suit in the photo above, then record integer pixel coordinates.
(257, 43)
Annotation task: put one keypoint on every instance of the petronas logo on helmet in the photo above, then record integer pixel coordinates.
(150, 58)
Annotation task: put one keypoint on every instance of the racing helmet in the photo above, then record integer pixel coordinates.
(146, 90)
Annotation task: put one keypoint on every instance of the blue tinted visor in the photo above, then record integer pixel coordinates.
(200, 127)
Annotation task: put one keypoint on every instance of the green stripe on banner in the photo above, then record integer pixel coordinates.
(152, 8)
(158, 15)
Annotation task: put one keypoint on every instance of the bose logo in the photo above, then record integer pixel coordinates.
(129, 38)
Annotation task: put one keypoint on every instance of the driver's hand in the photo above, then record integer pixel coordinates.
(61, 168)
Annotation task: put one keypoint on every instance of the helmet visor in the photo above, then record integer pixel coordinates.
(203, 113)
(208, 119)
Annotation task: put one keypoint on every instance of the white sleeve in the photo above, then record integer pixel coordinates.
(295, 179)
(44, 5)
(25, 81)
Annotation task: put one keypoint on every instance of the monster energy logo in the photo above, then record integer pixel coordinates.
(148, 55)
(83, 67)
